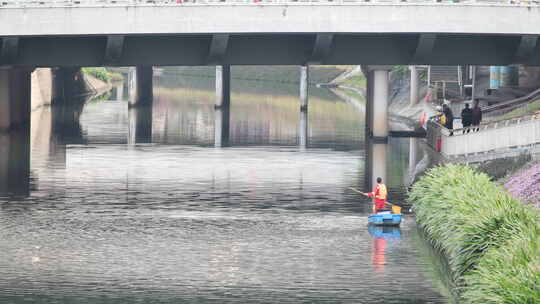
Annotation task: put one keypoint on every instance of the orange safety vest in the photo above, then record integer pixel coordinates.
(383, 193)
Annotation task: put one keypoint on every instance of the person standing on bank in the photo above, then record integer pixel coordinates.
(476, 116)
(380, 193)
(466, 118)
(449, 118)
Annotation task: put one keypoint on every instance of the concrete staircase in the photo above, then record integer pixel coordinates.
(447, 78)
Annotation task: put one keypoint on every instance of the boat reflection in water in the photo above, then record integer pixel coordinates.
(383, 239)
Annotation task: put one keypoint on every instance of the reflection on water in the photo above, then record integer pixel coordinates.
(383, 239)
(183, 116)
(111, 222)
(15, 162)
(140, 125)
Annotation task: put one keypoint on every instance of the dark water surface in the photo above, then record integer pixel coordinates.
(177, 220)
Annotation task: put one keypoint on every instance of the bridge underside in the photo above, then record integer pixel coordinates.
(269, 49)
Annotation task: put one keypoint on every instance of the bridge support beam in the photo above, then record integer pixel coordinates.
(143, 87)
(303, 126)
(140, 125)
(379, 120)
(15, 101)
(222, 106)
(414, 84)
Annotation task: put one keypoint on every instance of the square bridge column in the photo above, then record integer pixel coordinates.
(414, 85)
(222, 106)
(15, 98)
(303, 126)
(379, 103)
(143, 86)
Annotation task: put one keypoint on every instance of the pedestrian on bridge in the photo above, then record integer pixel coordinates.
(466, 118)
(476, 115)
(449, 124)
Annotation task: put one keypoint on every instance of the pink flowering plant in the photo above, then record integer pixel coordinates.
(526, 185)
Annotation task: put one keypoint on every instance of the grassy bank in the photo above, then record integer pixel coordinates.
(280, 74)
(529, 109)
(490, 239)
(356, 81)
(103, 74)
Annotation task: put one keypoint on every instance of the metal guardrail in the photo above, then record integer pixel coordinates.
(510, 105)
(104, 3)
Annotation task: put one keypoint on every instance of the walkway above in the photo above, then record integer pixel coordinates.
(494, 140)
(282, 32)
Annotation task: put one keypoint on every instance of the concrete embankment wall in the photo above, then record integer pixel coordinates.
(96, 86)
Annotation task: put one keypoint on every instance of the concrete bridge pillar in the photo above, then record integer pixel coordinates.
(143, 87)
(15, 162)
(15, 97)
(375, 163)
(140, 125)
(380, 103)
(414, 84)
(222, 106)
(303, 126)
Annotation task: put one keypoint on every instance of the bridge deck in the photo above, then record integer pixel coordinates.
(81, 32)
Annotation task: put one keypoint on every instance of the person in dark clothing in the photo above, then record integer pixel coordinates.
(449, 118)
(476, 116)
(466, 118)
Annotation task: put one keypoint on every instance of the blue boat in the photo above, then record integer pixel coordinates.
(385, 218)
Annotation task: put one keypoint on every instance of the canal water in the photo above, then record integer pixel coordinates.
(167, 218)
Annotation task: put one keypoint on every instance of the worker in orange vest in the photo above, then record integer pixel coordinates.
(380, 193)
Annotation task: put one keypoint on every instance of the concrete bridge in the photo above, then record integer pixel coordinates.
(128, 33)
(375, 34)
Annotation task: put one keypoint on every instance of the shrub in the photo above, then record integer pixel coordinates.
(99, 73)
(467, 216)
(526, 185)
(508, 275)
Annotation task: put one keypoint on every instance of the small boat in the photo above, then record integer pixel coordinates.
(385, 218)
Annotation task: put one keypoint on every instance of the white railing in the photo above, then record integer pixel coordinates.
(511, 133)
(102, 3)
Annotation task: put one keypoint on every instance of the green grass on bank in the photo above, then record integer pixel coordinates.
(489, 238)
(281, 74)
(526, 110)
(102, 74)
(356, 81)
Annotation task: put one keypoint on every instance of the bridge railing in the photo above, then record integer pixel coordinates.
(71, 3)
(510, 133)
